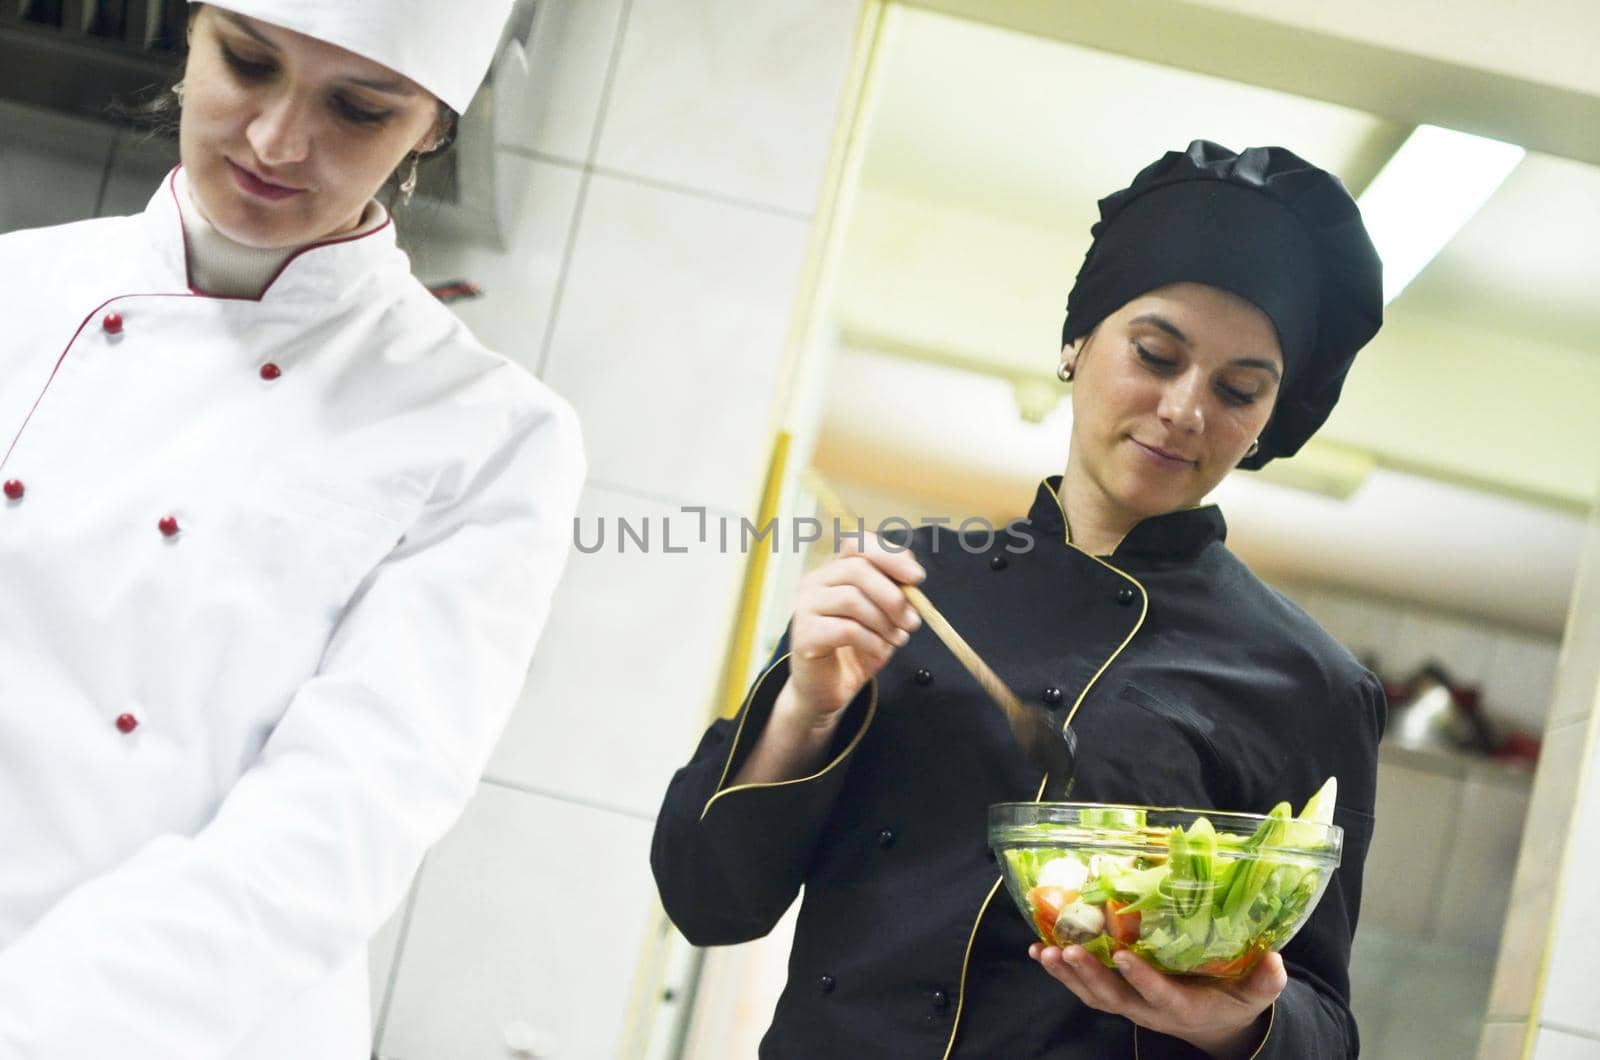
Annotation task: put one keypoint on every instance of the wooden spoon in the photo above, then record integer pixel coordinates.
(1052, 749)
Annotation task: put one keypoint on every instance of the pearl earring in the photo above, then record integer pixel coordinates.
(409, 186)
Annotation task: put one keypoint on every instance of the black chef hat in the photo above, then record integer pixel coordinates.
(1266, 225)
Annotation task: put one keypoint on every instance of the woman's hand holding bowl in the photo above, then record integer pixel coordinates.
(1226, 1018)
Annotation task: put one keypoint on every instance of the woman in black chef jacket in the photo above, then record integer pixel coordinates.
(1211, 326)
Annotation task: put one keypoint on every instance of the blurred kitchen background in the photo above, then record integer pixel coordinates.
(746, 236)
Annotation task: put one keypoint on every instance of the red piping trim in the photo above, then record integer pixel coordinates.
(188, 268)
(194, 292)
(70, 342)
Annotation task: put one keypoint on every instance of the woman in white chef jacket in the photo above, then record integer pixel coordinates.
(277, 538)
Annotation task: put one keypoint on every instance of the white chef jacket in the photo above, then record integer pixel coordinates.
(267, 597)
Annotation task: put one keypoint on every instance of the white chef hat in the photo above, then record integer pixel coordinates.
(443, 45)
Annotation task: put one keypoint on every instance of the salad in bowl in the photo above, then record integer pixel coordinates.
(1193, 892)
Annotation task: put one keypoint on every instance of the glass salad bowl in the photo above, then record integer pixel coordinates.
(1193, 892)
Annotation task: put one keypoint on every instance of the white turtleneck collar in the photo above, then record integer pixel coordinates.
(219, 266)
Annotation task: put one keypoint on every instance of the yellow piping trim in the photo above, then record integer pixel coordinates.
(872, 711)
(1144, 605)
(1272, 1018)
(961, 991)
(1144, 609)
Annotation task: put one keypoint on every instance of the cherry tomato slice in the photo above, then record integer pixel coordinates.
(1122, 927)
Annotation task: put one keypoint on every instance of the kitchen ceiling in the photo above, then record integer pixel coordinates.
(1035, 131)
(987, 149)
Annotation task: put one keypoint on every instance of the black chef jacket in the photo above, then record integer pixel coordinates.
(1189, 683)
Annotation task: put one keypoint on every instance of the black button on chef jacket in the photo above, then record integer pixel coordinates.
(1189, 683)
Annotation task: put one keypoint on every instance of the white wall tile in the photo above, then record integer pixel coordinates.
(1487, 834)
(1438, 1011)
(518, 282)
(1578, 666)
(1415, 999)
(1502, 1041)
(1375, 959)
(1559, 1045)
(529, 912)
(1408, 850)
(50, 167)
(1529, 913)
(1461, 648)
(1524, 932)
(1570, 990)
(623, 683)
(1520, 680)
(730, 96)
(669, 336)
(576, 44)
(1578, 672)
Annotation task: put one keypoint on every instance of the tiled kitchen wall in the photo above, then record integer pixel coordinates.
(1438, 878)
(1514, 669)
(674, 179)
(1544, 983)
(1468, 919)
